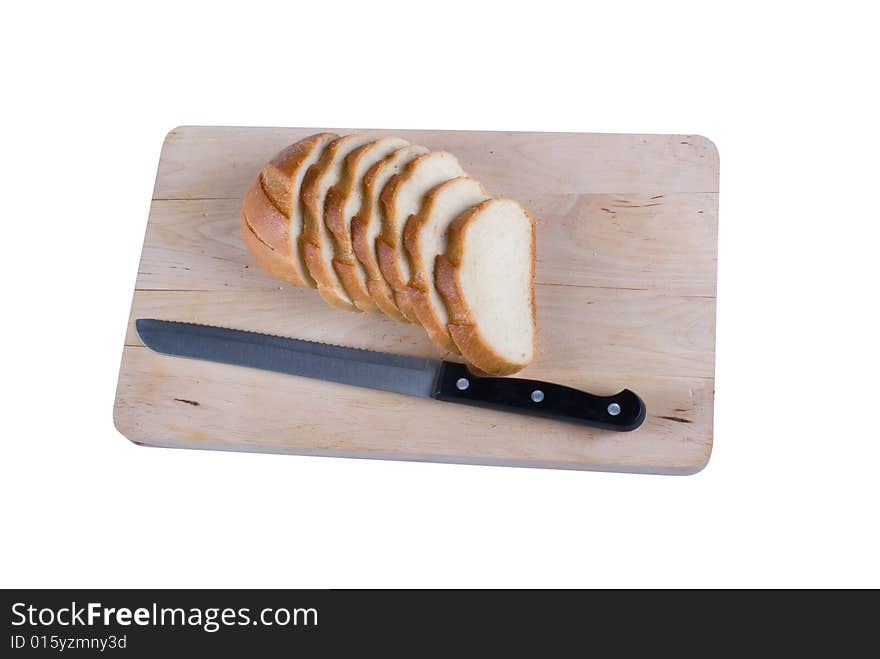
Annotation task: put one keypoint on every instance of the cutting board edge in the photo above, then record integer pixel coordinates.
(682, 470)
(686, 470)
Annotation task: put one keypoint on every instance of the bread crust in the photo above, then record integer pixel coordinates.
(462, 324)
(266, 210)
(267, 258)
(328, 282)
(314, 259)
(386, 244)
(380, 292)
(267, 236)
(438, 332)
(419, 283)
(277, 175)
(343, 265)
(334, 208)
(387, 260)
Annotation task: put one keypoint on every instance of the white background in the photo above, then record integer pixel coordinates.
(788, 95)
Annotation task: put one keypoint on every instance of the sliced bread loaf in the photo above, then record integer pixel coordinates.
(344, 199)
(487, 279)
(271, 212)
(366, 225)
(401, 198)
(316, 242)
(424, 239)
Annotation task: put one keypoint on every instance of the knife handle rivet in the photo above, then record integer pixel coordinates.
(462, 384)
(537, 395)
(614, 409)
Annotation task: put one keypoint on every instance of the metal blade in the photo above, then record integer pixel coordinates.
(362, 368)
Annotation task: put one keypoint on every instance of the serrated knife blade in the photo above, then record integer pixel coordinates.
(362, 368)
(414, 376)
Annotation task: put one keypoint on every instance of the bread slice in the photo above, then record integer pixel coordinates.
(402, 197)
(316, 241)
(487, 279)
(424, 239)
(366, 225)
(344, 199)
(271, 213)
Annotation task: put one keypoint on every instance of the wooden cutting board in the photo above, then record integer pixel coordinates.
(625, 291)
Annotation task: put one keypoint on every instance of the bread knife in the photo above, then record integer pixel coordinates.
(415, 376)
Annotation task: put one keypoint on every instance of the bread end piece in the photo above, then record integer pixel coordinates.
(475, 331)
(264, 233)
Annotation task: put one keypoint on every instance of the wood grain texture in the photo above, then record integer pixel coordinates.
(627, 243)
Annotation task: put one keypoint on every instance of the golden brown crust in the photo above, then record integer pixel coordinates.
(446, 281)
(267, 208)
(278, 174)
(266, 257)
(354, 286)
(386, 241)
(383, 296)
(386, 244)
(462, 326)
(335, 203)
(438, 333)
(309, 196)
(266, 221)
(385, 256)
(360, 242)
(380, 292)
(267, 235)
(419, 295)
(334, 207)
(311, 238)
(315, 263)
(404, 304)
(411, 232)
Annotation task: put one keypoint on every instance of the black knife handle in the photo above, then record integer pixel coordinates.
(622, 411)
